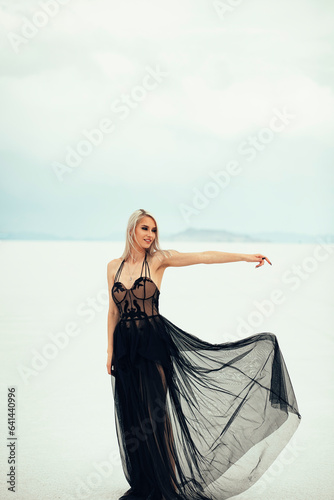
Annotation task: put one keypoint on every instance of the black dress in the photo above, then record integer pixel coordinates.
(194, 420)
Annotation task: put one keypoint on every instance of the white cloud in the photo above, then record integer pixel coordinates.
(114, 64)
(248, 105)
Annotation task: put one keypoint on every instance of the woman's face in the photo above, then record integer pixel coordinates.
(145, 232)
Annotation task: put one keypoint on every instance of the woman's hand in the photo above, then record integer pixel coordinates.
(110, 359)
(257, 257)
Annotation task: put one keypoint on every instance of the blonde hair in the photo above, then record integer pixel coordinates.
(135, 219)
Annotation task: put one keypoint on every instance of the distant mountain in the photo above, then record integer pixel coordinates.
(190, 234)
(283, 237)
(211, 235)
(30, 235)
(269, 237)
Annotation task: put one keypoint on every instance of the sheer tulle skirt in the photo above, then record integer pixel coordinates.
(196, 420)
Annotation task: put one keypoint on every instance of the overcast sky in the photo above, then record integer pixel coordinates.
(211, 114)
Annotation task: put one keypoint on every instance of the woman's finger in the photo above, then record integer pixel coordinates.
(262, 258)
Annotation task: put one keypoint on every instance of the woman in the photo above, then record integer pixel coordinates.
(194, 420)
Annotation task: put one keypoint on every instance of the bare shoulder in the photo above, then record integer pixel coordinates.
(112, 267)
(113, 263)
(160, 258)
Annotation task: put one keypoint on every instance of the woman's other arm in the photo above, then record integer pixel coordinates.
(113, 316)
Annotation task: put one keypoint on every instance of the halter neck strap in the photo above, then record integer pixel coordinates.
(145, 263)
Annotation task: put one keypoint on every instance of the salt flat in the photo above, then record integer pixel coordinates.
(54, 302)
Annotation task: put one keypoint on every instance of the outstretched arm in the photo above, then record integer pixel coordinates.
(177, 259)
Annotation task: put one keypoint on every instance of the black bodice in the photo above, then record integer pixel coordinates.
(141, 300)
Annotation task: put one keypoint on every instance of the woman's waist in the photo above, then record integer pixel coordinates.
(143, 317)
